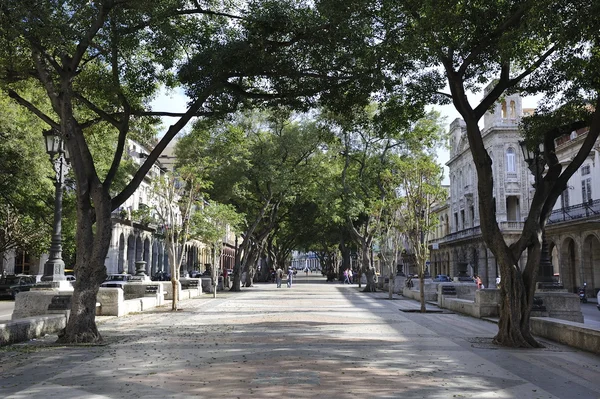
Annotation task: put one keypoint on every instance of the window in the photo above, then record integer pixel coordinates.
(585, 170)
(513, 109)
(510, 161)
(564, 198)
(586, 190)
(469, 176)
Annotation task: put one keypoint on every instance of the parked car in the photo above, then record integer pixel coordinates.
(116, 280)
(442, 278)
(11, 285)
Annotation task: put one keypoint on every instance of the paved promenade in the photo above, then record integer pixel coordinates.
(317, 339)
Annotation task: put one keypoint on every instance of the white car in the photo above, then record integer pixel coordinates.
(116, 280)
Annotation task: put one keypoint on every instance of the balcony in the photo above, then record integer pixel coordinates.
(576, 212)
(475, 232)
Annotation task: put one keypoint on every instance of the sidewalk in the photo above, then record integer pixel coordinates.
(313, 340)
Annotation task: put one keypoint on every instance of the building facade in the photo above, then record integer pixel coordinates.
(457, 248)
(136, 235)
(573, 230)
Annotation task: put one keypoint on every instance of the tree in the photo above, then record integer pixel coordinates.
(421, 189)
(368, 145)
(99, 63)
(25, 189)
(175, 196)
(258, 165)
(211, 222)
(511, 46)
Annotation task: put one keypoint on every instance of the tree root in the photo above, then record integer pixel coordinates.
(79, 338)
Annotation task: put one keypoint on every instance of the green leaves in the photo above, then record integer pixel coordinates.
(212, 221)
(26, 191)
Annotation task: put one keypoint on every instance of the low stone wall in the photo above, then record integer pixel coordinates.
(110, 302)
(561, 305)
(34, 302)
(30, 327)
(431, 294)
(567, 332)
(484, 302)
(167, 287)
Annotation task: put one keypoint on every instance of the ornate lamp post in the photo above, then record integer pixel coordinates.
(535, 161)
(54, 268)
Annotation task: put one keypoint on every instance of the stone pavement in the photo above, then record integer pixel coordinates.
(317, 339)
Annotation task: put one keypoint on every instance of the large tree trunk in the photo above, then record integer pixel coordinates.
(90, 269)
(517, 291)
(367, 268)
(250, 266)
(516, 298)
(238, 267)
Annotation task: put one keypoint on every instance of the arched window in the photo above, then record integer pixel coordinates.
(511, 166)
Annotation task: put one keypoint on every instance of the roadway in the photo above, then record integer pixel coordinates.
(314, 340)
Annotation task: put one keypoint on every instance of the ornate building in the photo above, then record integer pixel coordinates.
(138, 237)
(573, 231)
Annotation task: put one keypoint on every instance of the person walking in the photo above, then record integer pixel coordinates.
(479, 283)
(350, 275)
(346, 281)
(290, 275)
(278, 276)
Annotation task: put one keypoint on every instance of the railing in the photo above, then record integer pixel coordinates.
(473, 231)
(504, 226)
(476, 231)
(575, 212)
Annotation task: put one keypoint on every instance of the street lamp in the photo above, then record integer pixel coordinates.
(535, 161)
(54, 268)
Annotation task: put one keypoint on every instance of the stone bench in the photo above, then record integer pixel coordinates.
(570, 333)
(30, 327)
(484, 304)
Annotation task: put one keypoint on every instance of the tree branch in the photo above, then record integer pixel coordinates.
(162, 144)
(15, 96)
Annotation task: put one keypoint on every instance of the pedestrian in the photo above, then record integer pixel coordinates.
(244, 275)
(290, 275)
(278, 276)
(350, 275)
(306, 271)
(479, 283)
(346, 281)
(497, 281)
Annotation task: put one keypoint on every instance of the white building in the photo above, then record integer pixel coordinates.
(573, 232)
